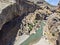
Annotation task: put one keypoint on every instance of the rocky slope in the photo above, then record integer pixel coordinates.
(28, 15)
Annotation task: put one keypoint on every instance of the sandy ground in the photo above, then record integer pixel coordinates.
(42, 41)
(20, 39)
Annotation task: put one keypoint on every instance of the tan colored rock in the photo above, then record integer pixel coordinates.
(51, 29)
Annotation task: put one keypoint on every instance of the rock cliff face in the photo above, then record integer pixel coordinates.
(13, 10)
(8, 22)
(4, 7)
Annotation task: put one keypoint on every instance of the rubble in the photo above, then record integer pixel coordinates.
(31, 20)
(52, 29)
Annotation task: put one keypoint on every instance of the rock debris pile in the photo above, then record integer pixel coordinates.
(52, 28)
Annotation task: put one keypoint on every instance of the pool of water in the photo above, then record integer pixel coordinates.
(34, 37)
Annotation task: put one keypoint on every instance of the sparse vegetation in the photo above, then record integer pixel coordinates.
(30, 26)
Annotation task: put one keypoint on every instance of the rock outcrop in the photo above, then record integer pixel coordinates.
(13, 10)
(9, 25)
(27, 14)
(52, 28)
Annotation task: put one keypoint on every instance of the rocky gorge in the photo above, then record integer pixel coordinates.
(23, 16)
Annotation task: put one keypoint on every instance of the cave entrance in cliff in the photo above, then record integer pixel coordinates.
(9, 31)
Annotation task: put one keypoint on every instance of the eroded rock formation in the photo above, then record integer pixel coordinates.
(52, 28)
(8, 21)
(14, 10)
(26, 11)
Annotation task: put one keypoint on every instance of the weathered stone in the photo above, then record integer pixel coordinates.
(5, 10)
(51, 28)
(13, 10)
(9, 22)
